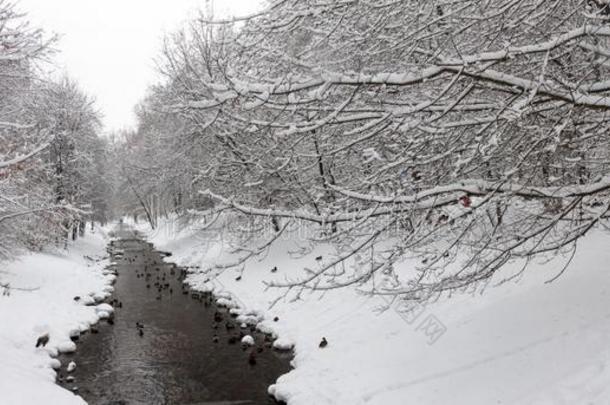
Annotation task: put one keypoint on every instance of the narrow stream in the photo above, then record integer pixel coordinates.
(179, 355)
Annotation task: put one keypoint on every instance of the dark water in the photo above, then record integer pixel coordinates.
(175, 361)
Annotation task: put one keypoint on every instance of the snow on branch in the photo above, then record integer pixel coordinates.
(482, 188)
(20, 159)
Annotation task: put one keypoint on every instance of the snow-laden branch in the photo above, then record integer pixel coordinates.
(64, 208)
(576, 96)
(252, 16)
(424, 200)
(222, 93)
(20, 159)
(482, 187)
(299, 214)
(515, 51)
(15, 125)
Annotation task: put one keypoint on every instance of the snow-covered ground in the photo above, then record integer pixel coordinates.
(525, 342)
(55, 279)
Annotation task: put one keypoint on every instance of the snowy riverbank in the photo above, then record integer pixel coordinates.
(525, 342)
(55, 279)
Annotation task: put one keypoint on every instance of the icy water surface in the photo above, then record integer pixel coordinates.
(173, 358)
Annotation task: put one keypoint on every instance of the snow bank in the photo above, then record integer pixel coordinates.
(27, 373)
(525, 342)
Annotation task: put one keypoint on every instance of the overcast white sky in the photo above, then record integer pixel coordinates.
(108, 46)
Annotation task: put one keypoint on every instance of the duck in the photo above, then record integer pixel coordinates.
(42, 340)
(323, 343)
(252, 358)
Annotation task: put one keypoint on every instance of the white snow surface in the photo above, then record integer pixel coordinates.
(523, 342)
(27, 375)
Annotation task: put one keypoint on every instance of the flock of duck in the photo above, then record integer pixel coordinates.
(161, 282)
(157, 280)
(166, 279)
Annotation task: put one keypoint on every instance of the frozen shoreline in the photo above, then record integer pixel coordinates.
(520, 343)
(26, 373)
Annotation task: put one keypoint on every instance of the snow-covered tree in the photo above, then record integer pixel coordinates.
(23, 205)
(50, 153)
(76, 153)
(466, 134)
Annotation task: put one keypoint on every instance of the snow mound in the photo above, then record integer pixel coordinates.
(104, 308)
(226, 302)
(283, 344)
(247, 341)
(66, 346)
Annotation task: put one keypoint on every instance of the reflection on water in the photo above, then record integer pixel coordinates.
(172, 358)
